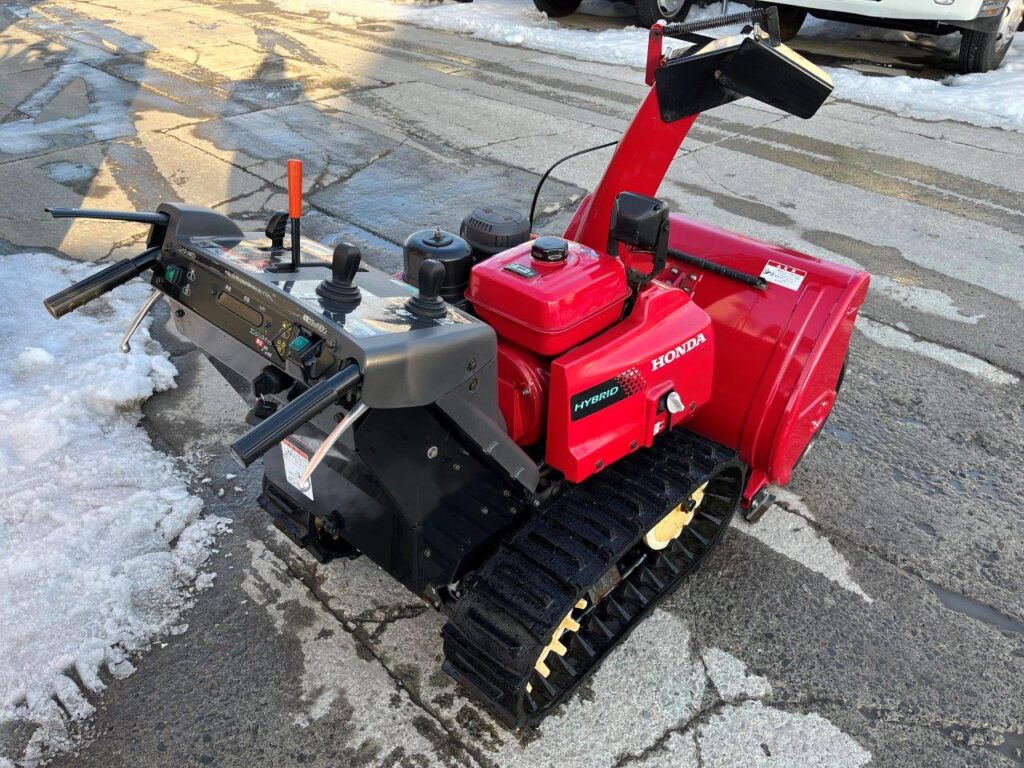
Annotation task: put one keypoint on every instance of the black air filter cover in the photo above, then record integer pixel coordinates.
(451, 250)
(492, 229)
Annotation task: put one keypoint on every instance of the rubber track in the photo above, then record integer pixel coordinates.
(511, 606)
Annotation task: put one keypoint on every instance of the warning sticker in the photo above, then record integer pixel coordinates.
(295, 463)
(780, 274)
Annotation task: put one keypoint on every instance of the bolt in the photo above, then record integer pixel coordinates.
(432, 452)
(598, 464)
(426, 553)
(484, 510)
(179, 313)
(456, 467)
(632, 445)
(473, 385)
(524, 391)
(472, 364)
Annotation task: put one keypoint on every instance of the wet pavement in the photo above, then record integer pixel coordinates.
(875, 617)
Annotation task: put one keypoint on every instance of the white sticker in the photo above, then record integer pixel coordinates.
(780, 274)
(295, 463)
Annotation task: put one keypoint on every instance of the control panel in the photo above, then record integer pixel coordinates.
(330, 310)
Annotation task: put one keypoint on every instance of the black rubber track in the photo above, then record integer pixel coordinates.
(512, 605)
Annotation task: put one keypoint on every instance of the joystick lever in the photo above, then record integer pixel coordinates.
(338, 291)
(276, 229)
(428, 302)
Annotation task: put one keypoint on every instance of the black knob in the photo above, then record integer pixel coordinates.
(428, 302)
(276, 228)
(338, 292)
(269, 381)
(549, 248)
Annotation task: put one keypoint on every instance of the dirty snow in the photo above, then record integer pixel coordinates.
(786, 529)
(989, 99)
(894, 338)
(100, 540)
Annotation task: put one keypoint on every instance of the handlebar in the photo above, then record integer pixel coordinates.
(141, 217)
(94, 286)
(276, 427)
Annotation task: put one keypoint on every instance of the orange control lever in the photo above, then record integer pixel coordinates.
(295, 189)
(295, 207)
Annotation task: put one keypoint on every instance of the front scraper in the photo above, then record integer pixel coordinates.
(540, 436)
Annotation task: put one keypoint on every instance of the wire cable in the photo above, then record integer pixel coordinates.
(536, 192)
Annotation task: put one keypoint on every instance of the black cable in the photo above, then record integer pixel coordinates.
(536, 192)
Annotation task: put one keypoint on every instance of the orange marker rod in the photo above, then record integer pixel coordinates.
(295, 207)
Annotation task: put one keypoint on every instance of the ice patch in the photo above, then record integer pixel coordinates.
(785, 529)
(753, 735)
(893, 338)
(929, 300)
(730, 677)
(100, 541)
(988, 99)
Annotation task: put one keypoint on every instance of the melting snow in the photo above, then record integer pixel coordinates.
(989, 99)
(100, 540)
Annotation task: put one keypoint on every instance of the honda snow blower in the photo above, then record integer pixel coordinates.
(539, 436)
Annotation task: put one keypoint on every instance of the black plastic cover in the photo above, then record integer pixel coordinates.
(493, 229)
(451, 250)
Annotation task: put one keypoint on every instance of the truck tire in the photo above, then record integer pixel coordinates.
(982, 51)
(791, 18)
(651, 11)
(555, 8)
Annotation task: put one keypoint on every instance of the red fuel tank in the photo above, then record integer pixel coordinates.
(548, 295)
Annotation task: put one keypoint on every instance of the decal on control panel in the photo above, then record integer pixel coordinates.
(374, 316)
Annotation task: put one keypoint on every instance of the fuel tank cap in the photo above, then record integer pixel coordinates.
(549, 249)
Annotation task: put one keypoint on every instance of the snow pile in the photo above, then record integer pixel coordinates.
(992, 99)
(100, 540)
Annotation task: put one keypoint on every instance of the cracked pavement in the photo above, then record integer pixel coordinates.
(876, 617)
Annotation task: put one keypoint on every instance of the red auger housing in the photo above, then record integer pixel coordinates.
(540, 436)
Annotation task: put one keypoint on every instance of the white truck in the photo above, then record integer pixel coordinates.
(986, 27)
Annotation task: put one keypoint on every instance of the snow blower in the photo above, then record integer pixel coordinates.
(539, 436)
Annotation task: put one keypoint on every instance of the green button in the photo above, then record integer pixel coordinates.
(298, 344)
(171, 273)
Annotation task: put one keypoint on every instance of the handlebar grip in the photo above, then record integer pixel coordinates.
(276, 427)
(140, 217)
(94, 286)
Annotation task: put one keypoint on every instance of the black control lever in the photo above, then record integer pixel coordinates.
(276, 228)
(283, 422)
(94, 286)
(428, 302)
(141, 217)
(338, 292)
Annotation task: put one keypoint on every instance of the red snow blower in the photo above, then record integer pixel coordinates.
(540, 436)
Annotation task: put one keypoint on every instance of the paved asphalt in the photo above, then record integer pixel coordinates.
(877, 614)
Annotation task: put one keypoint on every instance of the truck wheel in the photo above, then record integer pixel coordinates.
(982, 51)
(557, 7)
(791, 18)
(651, 11)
